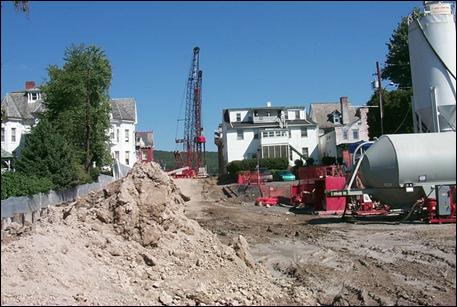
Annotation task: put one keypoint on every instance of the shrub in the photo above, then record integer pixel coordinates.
(17, 184)
(250, 165)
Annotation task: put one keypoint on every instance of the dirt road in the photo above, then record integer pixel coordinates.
(324, 260)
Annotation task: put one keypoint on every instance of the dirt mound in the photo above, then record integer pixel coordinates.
(131, 244)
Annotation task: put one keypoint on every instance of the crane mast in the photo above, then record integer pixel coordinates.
(193, 139)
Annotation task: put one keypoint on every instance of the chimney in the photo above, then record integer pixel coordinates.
(29, 85)
(344, 105)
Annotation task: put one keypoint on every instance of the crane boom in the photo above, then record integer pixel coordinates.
(193, 139)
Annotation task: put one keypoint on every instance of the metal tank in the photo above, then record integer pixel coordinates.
(396, 162)
(432, 52)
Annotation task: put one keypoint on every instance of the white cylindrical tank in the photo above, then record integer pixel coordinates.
(397, 160)
(432, 52)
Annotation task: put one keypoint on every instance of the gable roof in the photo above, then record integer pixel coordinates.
(16, 106)
(320, 112)
(123, 108)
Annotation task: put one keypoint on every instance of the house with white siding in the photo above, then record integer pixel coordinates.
(20, 111)
(339, 124)
(266, 132)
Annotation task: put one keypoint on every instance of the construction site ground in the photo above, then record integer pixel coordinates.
(150, 240)
(364, 261)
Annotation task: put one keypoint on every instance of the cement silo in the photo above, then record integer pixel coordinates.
(398, 169)
(432, 51)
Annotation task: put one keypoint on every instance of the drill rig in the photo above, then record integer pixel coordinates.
(191, 161)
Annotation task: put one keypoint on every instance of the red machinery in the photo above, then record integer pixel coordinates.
(193, 153)
(447, 198)
(312, 187)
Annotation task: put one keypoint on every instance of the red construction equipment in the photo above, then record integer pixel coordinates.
(314, 181)
(193, 153)
(432, 207)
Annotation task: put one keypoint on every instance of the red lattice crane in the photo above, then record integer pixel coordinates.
(193, 153)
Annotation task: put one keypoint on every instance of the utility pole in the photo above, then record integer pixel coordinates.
(381, 111)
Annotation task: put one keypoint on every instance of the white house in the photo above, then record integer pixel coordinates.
(122, 131)
(339, 124)
(20, 110)
(267, 132)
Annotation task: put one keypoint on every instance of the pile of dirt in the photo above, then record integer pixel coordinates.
(131, 244)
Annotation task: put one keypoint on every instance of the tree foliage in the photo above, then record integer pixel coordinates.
(398, 69)
(21, 6)
(397, 113)
(397, 117)
(48, 155)
(77, 102)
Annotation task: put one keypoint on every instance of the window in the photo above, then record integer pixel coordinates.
(264, 134)
(239, 134)
(117, 136)
(13, 135)
(144, 156)
(345, 135)
(126, 135)
(336, 119)
(290, 134)
(287, 115)
(274, 151)
(116, 155)
(304, 152)
(127, 160)
(355, 134)
(3, 134)
(238, 117)
(256, 136)
(112, 135)
(304, 132)
(34, 96)
(278, 133)
(297, 114)
(271, 134)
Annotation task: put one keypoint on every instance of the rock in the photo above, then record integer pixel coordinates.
(241, 248)
(165, 299)
(148, 260)
(103, 216)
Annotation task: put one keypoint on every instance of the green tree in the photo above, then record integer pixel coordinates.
(397, 67)
(77, 101)
(397, 113)
(47, 154)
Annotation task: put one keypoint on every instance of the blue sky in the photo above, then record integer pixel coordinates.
(289, 53)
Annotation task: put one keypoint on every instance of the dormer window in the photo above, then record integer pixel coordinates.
(336, 118)
(33, 96)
